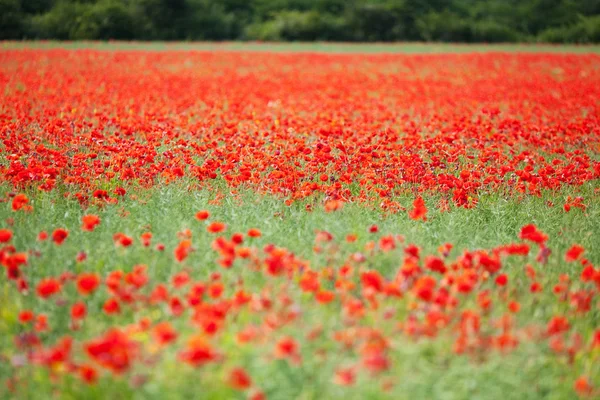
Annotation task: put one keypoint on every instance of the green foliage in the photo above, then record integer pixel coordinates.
(444, 27)
(108, 19)
(557, 21)
(61, 22)
(11, 19)
(587, 30)
(493, 32)
(209, 20)
(300, 26)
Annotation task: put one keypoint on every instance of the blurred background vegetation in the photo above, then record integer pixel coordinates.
(554, 21)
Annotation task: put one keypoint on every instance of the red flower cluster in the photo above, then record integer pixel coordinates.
(298, 125)
(472, 300)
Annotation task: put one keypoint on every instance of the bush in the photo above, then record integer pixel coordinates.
(36, 6)
(375, 22)
(11, 19)
(62, 22)
(444, 27)
(493, 32)
(108, 19)
(587, 30)
(557, 21)
(299, 26)
(160, 19)
(208, 20)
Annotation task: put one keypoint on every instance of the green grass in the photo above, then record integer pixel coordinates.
(326, 47)
(425, 368)
(166, 211)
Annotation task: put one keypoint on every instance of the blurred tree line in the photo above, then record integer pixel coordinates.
(567, 21)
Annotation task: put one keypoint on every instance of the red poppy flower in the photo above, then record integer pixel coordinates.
(582, 386)
(237, 238)
(501, 280)
(287, 347)
(333, 205)
(574, 253)
(59, 235)
(216, 227)
(78, 311)
(419, 210)
(88, 374)
(557, 324)
(87, 283)
(514, 307)
(324, 296)
(254, 233)
(111, 306)
(202, 215)
(345, 377)
(239, 379)
(48, 287)
(146, 239)
(164, 333)
(89, 222)
(532, 233)
(19, 202)
(121, 239)
(25, 316)
(182, 250)
(114, 351)
(5, 235)
(198, 353)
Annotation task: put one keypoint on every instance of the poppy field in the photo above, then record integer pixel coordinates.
(281, 225)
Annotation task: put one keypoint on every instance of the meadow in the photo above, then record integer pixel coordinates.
(299, 221)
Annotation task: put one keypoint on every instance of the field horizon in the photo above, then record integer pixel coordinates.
(318, 47)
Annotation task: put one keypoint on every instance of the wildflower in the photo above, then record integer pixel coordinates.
(324, 296)
(216, 227)
(557, 324)
(182, 250)
(574, 253)
(111, 306)
(345, 377)
(333, 205)
(87, 283)
(26, 316)
(20, 201)
(59, 235)
(146, 239)
(78, 311)
(582, 386)
(5, 235)
(120, 239)
(287, 347)
(113, 350)
(89, 222)
(164, 333)
(202, 215)
(48, 287)
(532, 233)
(419, 210)
(254, 233)
(501, 280)
(88, 374)
(239, 379)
